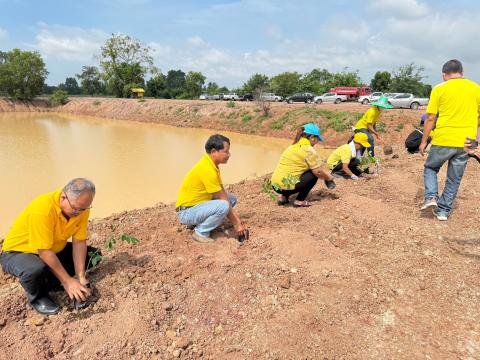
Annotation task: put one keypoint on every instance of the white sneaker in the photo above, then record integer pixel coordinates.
(428, 204)
(201, 239)
(440, 216)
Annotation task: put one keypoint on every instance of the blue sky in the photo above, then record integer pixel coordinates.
(230, 40)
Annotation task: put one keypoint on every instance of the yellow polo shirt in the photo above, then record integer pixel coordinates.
(457, 102)
(341, 154)
(201, 182)
(41, 225)
(370, 117)
(295, 160)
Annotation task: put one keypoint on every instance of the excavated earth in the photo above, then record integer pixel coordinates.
(361, 274)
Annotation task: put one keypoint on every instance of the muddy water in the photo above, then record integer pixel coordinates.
(133, 164)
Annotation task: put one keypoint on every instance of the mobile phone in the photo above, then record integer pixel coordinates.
(473, 143)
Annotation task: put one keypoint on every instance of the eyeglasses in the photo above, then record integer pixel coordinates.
(75, 210)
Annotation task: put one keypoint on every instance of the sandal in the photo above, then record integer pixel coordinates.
(304, 203)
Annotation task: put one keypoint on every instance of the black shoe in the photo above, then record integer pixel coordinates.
(46, 306)
(330, 184)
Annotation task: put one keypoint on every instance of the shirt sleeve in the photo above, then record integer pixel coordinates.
(346, 155)
(432, 107)
(40, 228)
(211, 181)
(311, 158)
(81, 233)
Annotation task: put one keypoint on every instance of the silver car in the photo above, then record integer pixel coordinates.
(330, 97)
(407, 100)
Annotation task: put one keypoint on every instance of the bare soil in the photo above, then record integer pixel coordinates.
(361, 274)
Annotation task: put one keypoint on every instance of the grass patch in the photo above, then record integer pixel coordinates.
(337, 120)
(179, 111)
(221, 115)
(399, 127)
(381, 127)
(246, 117)
(232, 115)
(257, 110)
(280, 123)
(231, 104)
(141, 100)
(96, 102)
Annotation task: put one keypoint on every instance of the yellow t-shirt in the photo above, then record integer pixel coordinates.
(42, 226)
(457, 102)
(370, 117)
(295, 160)
(341, 154)
(201, 182)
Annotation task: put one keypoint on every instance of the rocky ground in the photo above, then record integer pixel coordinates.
(361, 274)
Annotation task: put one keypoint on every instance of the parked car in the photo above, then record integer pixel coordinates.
(217, 97)
(391, 95)
(407, 100)
(330, 97)
(270, 97)
(232, 97)
(370, 98)
(246, 97)
(300, 97)
(206, 97)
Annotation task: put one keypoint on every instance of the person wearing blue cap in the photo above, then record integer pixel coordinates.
(300, 162)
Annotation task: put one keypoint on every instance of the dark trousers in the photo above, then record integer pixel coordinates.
(352, 165)
(34, 275)
(303, 187)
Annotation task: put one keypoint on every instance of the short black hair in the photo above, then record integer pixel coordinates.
(452, 67)
(216, 142)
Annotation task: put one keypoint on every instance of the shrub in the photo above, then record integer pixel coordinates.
(96, 102)
(59, 97)
(231, 104)
(381, 127)
(399, 127)
(246, 117)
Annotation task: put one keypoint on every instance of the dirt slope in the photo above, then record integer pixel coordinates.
(359, 275)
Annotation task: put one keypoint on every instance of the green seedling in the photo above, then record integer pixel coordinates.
(367, 160)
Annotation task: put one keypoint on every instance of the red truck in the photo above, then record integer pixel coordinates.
(351, 92)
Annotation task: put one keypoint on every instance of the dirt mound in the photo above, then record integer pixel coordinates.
(360, 274)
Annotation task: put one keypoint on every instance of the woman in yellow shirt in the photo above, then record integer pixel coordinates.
(299, 167)
(368, 122)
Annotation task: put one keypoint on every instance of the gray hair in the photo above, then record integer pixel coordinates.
(78, 186)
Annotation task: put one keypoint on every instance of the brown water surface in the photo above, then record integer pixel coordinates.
(133, 164)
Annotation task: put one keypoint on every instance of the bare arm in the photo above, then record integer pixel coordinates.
(427, 128)
(72, 286)
(322, 174)
(79, 249)
(346, 170)
(372, 129)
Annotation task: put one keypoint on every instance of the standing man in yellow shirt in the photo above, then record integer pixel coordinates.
(36, 250)
(457, 103)
(202, 200)
(368, 122)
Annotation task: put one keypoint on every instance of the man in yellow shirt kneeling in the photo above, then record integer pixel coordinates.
(202, 200)
(344, 161)
(37, 251)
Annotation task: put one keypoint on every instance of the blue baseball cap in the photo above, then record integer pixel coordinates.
(313, 129)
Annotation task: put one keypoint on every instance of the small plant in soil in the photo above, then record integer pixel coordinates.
(399, 127)
(96, 256)
(96, 103)
(381, 127)
(367, 160)
(270, 188)
(231, 104)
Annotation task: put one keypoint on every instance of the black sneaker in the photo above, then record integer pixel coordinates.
(46, 306)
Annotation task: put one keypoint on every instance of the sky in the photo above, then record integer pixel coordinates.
(228, 41)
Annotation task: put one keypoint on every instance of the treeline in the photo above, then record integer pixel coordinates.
(126, 63)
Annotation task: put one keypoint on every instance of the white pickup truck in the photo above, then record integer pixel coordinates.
(367, 99)
(407, 100)
(232, 97)
(330, 97)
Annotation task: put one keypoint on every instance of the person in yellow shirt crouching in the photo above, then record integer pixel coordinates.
(344, 161)
(300, 164)
(368, 122)
(37, 251)
(202, 200)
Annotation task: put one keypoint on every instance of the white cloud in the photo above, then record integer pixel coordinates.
(3, 34)
(69, 43)
(400, 8)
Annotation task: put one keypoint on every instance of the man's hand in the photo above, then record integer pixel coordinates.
(240, 229)
(378, 137)
(422, 147)
(75, 290)
(83, 279)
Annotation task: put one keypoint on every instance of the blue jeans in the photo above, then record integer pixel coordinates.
(457, 161)
(371, 140)
(207, 215)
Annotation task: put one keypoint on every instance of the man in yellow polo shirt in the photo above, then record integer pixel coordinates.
(202, 200)
(36, 250)
(343, 161)
(457, 103)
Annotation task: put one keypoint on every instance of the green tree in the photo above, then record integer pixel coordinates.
(157, 86)
(408, 79)
(176, 84)
(286, 83)
(125, 61)
(317, 81)
(223, 90)
(255, 82)
(90, 80)
(70, 86)
(381, 81)
(346, 78)
(22, 74)
(194, 82)
(211, 88)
